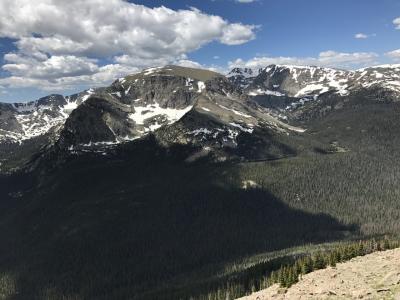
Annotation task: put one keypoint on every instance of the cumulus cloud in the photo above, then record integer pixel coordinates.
(53, 67)
(104, 75)
(245, 1)
(193, 64)
(396, 22)
(361, 36)
(69, 38)
(395, 54)
(326, 59)
(364, 35)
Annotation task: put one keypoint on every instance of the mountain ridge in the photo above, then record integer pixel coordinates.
(276, 98)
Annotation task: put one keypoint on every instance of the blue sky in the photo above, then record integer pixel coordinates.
(51, 46)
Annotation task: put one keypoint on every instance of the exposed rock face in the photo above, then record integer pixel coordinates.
(242, 77)
(213, 112)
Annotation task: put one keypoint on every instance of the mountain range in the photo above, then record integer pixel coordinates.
(182, 183)
(187, 106)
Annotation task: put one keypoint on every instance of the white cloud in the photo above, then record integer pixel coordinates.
(326, 59)
(395, 54)
(338, 59)
(396, 22)
(245, 1)
(361, 36)
(193, 64)
(364, 35)
(50, 68)
(237, 34)
(59, 39)
(104, 75)
(188, 63)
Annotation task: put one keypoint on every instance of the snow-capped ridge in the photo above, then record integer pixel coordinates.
(299, 81)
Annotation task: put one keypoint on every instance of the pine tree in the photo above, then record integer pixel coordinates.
(378, 246)
(332, 259)
(306, 266)
(361, 249)
(318, 261)
(345, 254)
(295, 271)
(297, 267)
(282, 277)
(386, 244)
(274, 277)
(290, 276)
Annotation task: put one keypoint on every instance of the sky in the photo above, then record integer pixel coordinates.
(58, 46)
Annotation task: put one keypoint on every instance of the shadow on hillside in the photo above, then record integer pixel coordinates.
(111, 228)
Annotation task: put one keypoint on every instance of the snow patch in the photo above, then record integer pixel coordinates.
(150, 71)
(249, 130)
(235, 111)
(142, 113)
(265, 92)
(201, 86)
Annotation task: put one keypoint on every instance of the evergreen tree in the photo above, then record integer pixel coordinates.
(361, 249)
(318, 261)
(282, 277)
(386, 244)
(306, 265)
(297, 267)
(332, 259)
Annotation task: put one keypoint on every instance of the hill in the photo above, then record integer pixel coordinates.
(374, 276)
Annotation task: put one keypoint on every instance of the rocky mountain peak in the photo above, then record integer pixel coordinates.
(141, 103)
(241, 77)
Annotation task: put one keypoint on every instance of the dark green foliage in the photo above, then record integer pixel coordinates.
(318, 261)
(306, 265)
(143, 223)
(358, 185)
(332, 260)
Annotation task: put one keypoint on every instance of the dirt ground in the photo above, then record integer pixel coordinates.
(374, 276)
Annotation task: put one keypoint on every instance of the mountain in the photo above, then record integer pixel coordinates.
(180, 183)
(301, 81)
(212, 112)
(296, 85)
(242, 77)
(23, 121)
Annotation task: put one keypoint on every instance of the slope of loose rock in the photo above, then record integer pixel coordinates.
(374, 276)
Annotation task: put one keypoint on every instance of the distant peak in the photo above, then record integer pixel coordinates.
(385, 66)
(173, 70)
(246, 72)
